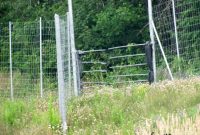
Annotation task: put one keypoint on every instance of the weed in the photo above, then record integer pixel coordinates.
(13, 112)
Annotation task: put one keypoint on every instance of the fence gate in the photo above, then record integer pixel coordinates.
(117, 65)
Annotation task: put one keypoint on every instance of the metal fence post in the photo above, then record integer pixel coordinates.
(78, 62)
(41, 73)
(176, 34)
(11, 71)
(73, 48)
(60, 70)
(150, 12)
(69, 55)
(175, 28)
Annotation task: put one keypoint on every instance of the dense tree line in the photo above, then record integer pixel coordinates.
(98, 23)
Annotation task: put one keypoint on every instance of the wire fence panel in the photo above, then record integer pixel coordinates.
(188, 22)
(4, 60)
(178, 26)
(163, 20)
(28, 64)
(49, 60)
(28, 58)
(25, 58)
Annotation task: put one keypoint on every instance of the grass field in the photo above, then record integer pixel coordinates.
(163, 108)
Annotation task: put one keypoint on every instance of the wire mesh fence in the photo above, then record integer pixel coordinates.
(35, 60)
(49, 61)
(4, 60)
(25, 55)
(177, 24)
(28, 58)
(66, 55)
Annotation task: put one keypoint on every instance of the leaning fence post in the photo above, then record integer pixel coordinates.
(60, 70)
(162, 51)
(11, 72)
(41, 73)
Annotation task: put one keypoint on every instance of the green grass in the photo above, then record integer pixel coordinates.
(120, 110)
(29, 116)
(105, 110)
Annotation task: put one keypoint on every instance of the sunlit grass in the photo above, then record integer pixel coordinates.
(111, 110)
(173, 125)
(106, 110)
(29, 116)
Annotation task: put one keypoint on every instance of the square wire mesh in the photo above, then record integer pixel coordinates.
(188, 34)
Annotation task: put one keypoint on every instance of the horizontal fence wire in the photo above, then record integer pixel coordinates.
(120, 47)
(135, 65)
(92, 51)
(95, 83)
(92, 71)
(93, 62)
(125, 56)
(128, 82)
(131, 75)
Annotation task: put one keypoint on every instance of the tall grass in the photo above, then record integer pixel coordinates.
(172, 125)
(110, 110)
(29, 116)
(106, 110)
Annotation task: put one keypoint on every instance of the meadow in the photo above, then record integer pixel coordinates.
(162, 108)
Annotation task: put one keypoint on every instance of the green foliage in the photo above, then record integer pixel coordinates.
(98, 24)
(29, 116)
(107, 24)
(13, 112)
(54, 119)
